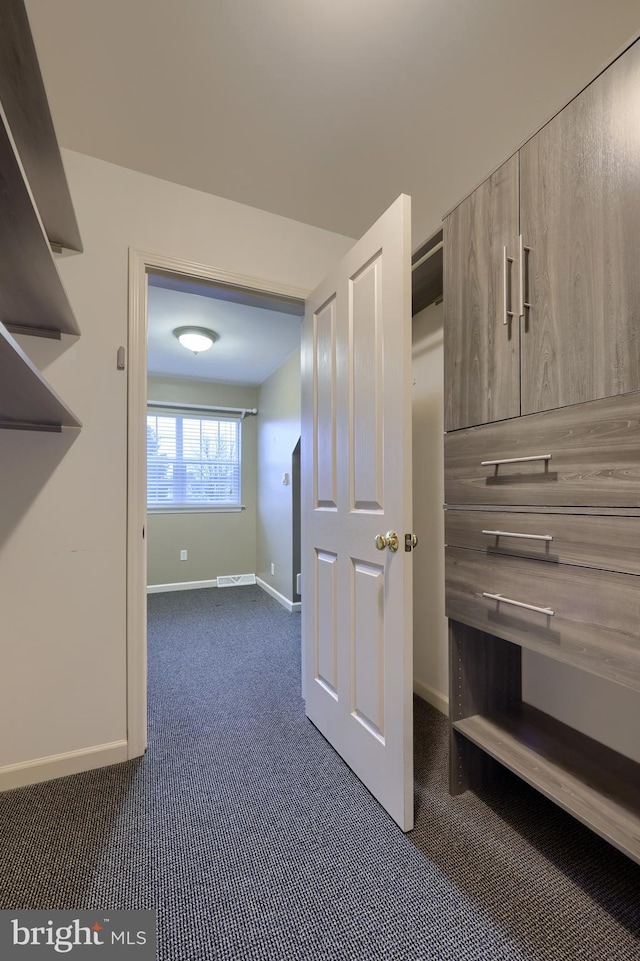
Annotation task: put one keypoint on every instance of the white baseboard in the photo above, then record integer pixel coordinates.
(180, 586)
(60, 765)
(431, 696)
(281, 599)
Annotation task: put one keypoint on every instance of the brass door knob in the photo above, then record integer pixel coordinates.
(390, 540)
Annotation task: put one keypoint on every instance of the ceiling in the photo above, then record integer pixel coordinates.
(319, 110)
(252, 339)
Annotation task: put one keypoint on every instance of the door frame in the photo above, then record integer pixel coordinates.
(141, 263)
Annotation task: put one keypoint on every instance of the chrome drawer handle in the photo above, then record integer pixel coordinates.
(515, 460)
(507, 314)
(528, 607)
(529, 537)
(523, 249)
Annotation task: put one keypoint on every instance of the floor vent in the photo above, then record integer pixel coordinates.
(236, 580)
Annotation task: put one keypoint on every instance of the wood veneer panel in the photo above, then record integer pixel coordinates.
(596, 621)
(586, 540)
(580, 215)
(25, 105)
(481, 354)
(31, 292)
(26, 400)
(595, 784)
(484, 675)
(595, 458)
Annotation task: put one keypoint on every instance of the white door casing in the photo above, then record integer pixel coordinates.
(357, 618)
(141, 263)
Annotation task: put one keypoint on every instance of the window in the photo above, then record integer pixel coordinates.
(193, 461)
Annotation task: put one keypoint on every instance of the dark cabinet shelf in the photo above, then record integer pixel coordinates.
(426, 273)
(31, 293)
(593, 783)
(35, 213)
(24, 102)
(27, 402)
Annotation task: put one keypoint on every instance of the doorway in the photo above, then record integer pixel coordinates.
(168, 274)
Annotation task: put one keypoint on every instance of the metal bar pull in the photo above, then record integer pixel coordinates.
(508, 600)
(506, 260)
(514, 460)
(529, 537)
(523, 251)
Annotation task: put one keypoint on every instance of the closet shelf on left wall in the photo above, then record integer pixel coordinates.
(33, 189)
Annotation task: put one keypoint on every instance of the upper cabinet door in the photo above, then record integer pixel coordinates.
(481, 324)
(580, 217)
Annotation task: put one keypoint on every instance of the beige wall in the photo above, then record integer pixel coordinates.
(430, 644)
(64, 499)
(278, 434)
(216, 543)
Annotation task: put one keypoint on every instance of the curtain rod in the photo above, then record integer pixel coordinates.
(243, 411)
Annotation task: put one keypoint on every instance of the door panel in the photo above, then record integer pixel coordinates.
(482, 380)
(580, 215)
(357, 618)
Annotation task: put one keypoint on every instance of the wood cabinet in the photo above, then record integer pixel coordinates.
(567, 209)
(543, 493)
(481, 331)
(32, 296)
(580, 217)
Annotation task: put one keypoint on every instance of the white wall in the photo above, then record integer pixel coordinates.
(63, 507)
(278, 433)
(430, 641)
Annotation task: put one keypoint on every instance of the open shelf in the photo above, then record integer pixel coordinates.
(32, 296)
(25, 106)
(27, 402)
(426, 273)
(596, 785)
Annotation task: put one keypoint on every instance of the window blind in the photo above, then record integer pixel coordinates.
(193, 460)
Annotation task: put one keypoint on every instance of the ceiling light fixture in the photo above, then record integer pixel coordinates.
(195, 339)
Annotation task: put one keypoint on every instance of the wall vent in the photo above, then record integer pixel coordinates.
(236, 580)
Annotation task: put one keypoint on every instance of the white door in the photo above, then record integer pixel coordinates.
(357, 618)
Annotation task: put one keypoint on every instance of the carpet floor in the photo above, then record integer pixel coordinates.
(254, 841)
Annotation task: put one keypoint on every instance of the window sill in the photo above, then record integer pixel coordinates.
(196, 510)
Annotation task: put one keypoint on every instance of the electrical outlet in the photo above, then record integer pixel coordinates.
(183, 555)
(273, 568)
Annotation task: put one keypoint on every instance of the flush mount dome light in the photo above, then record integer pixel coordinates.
(195, 339)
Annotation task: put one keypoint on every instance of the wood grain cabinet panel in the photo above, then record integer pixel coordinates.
(593, 451)
(542, 449)
(482, 381)
(595, 624)
(580, 217)
(607, 542)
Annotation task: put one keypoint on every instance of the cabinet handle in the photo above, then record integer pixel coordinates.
(528, 607)
(514, 460)
(523, 249)
(529, 537)
(506, 260)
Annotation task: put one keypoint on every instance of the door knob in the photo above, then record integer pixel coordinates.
(390, 540)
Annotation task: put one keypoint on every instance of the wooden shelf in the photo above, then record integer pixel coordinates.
(426, 273)
(27, 402)
(596, 785)
(26, 109)
(32, 296)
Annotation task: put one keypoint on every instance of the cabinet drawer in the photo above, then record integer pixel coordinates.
(609, 542)
(595, 619)
(585, 455)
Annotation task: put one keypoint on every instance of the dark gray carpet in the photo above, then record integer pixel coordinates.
(254, 841)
